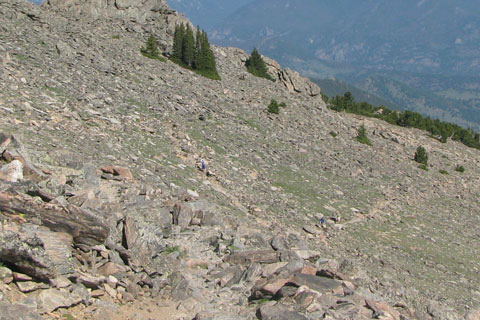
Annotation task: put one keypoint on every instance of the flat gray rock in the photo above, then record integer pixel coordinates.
(18, 311)
(315, 283)
(278, 312)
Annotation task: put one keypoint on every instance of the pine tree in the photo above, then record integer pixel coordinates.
(151, 49)
(198, 47)
(205, 62)
(188, 47)
(178, 37)
(256, 66)
(421, 156)
(362, 136)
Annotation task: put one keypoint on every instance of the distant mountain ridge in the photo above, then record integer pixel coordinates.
(207, 13)
(414, 43)
(412, 35)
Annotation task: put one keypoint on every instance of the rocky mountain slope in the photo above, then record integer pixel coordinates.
(104, 213)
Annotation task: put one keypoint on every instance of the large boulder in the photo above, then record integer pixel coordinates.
(26, 252)
(291, 79)
(84, 226)
(17, 311)
(296, 83)
(278, 312)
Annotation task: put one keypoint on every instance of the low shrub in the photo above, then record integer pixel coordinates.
(362, 136)
(273, 107)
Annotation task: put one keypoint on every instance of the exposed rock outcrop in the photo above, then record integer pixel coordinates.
(133, 10)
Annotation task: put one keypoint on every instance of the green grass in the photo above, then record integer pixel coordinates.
(154, 57)
(442, 171)
(170, 250)
(200, 138)
(209, 74)
(333, 134)
(20, 57)
(212, 75)
(141, 105)
(234, 248)
(362, 136)
(423, 239)
(263, 300)
(252, 124)
(364, 140)
(60, 92)
(423, 167)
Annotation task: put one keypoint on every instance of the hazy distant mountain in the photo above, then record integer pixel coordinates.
(420, 45)
(207, 13)
(410, 35)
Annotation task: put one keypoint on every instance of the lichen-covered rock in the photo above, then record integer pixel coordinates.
(26, 252)
(12, 172)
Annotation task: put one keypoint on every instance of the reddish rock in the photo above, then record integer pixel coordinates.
(309, 270)
(122, 172)
(274, 285)
(111, 268)
(382, 309)
(473, 315)
(196, 263)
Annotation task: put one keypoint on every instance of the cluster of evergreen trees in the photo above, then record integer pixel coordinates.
(193, 51)
(438, 129)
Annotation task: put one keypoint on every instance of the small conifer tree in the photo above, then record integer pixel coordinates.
(151, 49)
(188, 48)
(362, 136)
(205, 61)
(273, 107)
(256, 66)
(178, 43)
(421, 156)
